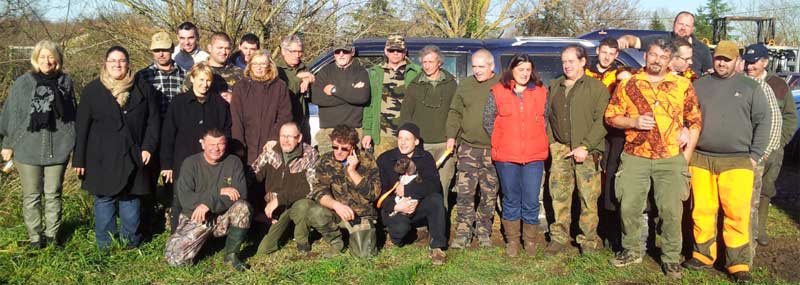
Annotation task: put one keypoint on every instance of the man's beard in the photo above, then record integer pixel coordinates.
(654, 69)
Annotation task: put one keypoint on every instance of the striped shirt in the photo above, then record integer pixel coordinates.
(775, 113)
(168, 83)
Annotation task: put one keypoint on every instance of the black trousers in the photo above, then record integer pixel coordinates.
(430, 211)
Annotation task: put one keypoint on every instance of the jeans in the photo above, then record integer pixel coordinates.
(105, 219)
(520, 184)
(41, 182)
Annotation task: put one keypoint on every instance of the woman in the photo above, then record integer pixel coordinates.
(514, 117)
(117, 130)
(189, 116)
(37, 128)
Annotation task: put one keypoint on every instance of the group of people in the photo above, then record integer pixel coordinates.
(229, 135)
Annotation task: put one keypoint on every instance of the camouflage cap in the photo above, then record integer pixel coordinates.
(342, 44)
(161, 40)
(395, 42)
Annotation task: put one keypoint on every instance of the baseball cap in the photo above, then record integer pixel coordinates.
(161, 40)
(396, 42)
(755, 52)
(342, 45)
(727, 49)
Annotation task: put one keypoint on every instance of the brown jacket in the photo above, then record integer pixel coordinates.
(258, 109)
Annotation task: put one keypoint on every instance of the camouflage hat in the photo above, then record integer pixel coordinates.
(342, 44)
(395, 42)
(161, 40)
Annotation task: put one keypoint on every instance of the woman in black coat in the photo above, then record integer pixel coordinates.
(188, 118)
(117, 128)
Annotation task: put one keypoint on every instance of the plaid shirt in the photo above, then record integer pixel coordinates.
(169, 84)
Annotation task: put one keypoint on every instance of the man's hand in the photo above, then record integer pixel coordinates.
(366, 142)
(359, 84)
(231, 192)
(406, 206)
(328, 90)
(7, 153)
(269, 145)
(579, 154)
(628, 41)
(344, 211)
(451, 144)
(199, 213)
(79, 170)
(227, 95)
(400, 189)
(688, 156)
(754, 163)
(305, 75)
(683, 139)
(167, 174)
(271, 206)
(145, 157)
(352, 161)
(645, 122)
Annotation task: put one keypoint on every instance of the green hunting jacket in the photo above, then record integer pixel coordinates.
(371, 121)
(587, 105)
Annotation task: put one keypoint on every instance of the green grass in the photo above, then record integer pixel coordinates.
(79, 262)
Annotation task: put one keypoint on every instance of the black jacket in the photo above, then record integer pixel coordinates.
(417, 189)
(185, 123)
(346, 105)
(110, 139)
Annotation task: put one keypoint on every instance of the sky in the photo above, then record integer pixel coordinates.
(87, 7)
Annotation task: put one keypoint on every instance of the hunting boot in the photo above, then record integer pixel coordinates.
(529, 234)
(232, 246)
(763, 214)
(512, 232)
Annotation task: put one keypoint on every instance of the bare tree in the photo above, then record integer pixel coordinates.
(469, 18)
(574, 17)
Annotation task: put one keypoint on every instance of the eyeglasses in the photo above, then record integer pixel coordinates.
(395, 51)
(289, 136)
(260, 64)
(120, 61)
(687, 59)
(341, 148)
(341, 51)
(296, 51)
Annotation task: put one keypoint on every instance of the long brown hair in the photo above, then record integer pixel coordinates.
(516, 60)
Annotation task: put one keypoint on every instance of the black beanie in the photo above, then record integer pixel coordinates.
(411, 128)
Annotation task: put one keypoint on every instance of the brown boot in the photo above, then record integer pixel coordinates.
(529, 235)
(512, 231)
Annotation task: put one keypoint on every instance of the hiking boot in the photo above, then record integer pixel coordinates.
(742, 277)
(695, 264)
(485, 242)
(625, 258)
(459, 243)
(672, 270)
(233, 245)
(303, 248)
(37, 245)
(555, 247)
(438, 257)
(512, 232)
(337, 245)
(763, 240)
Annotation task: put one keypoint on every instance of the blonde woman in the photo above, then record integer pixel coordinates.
(117, 129)
(37, 129)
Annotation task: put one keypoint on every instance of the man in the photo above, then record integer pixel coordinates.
(298, 79)
(341, 91)
(387, 83)
(652, 121)
(410, 171)
(188, 51)
(756, 57)
(212, 192)
(475, 167)
(225, 74)
(605, 69)
(575, 128)
(426, 104)
(348, 184)
(682, 27)
(287, 170)
(681, 63)
(248, 45)
(167, 78)
(736, 126)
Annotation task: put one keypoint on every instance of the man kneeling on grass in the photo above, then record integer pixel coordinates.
(212, 193)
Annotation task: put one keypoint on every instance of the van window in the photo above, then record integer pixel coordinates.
(548, 66)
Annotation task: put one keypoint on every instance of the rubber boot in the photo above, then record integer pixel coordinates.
(529, 234)
(763, 215)
(233, 244)
(512, 232)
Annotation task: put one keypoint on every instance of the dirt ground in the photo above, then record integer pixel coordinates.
(780, 257)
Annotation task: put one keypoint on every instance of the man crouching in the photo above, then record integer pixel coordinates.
(211, 190)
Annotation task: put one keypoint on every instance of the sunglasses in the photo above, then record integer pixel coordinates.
(396, 51)
(341, 51)
(341, 148)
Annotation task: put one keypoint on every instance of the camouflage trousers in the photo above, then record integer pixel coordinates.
(565, 175)
(189, 237)
(475, 168)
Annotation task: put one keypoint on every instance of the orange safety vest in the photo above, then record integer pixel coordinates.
(519, 134)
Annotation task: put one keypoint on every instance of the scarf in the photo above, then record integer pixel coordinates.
(48, 103)
(120, 89)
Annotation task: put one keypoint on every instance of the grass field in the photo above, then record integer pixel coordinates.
(79, 262)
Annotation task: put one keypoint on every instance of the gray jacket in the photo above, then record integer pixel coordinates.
(42, 147)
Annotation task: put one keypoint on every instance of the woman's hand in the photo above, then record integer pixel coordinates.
(145, 157)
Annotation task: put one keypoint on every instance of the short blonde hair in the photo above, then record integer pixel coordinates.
(201, 68)
(50, 46)
(272, 70)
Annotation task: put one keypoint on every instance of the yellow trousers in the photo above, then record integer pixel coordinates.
(726, 183)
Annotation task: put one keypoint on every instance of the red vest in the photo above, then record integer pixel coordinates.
(519, 128)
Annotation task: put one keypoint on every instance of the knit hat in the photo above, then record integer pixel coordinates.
(411, 128)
